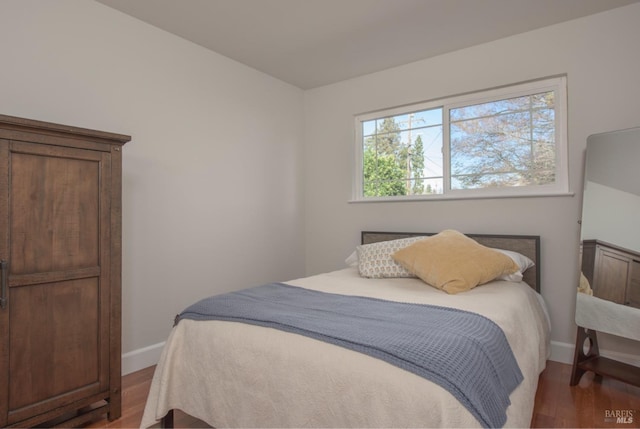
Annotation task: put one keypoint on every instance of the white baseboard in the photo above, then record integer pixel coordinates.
(141, 358)
(563, 353)
(622, 357)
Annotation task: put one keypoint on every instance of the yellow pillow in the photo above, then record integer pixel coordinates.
(453, 262)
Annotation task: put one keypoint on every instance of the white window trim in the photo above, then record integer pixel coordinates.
(559, 188)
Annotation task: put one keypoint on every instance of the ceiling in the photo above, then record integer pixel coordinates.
(310, 43)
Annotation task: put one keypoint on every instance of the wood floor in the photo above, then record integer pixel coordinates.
(593, 403)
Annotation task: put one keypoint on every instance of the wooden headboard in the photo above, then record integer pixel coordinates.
(528, 245)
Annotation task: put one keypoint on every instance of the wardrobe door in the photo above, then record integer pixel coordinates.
(4, 287)
(58, 277)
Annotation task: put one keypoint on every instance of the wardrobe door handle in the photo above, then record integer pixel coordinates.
(3, 286)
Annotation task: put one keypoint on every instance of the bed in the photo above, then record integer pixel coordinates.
(232, 374)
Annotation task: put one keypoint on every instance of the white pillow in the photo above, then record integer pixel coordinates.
(352, 260)
(375, 261)
(521, 261)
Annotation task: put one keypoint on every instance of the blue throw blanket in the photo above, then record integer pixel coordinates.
(465, 353)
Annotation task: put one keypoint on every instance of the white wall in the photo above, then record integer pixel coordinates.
(599, 54)
(619, 226)
(212, 176)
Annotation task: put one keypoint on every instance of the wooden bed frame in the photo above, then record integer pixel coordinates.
(527, 245)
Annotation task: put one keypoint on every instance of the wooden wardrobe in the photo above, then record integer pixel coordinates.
(60, 260)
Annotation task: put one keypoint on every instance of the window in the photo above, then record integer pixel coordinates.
(509, 141)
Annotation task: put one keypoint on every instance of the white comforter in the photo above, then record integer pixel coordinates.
(236, 375)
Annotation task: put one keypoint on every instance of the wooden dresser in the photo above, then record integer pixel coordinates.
(60, 254)
(612, 271)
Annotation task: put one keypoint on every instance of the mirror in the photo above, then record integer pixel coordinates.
(608, 298)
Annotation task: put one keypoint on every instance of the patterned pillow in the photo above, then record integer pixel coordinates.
(375, 261)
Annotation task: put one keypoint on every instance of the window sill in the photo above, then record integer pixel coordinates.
(424, 198)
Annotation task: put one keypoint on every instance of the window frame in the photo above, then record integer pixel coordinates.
(558, 84)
